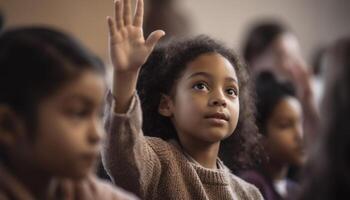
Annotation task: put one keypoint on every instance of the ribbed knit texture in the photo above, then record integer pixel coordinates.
(156, 169)
(89, 188)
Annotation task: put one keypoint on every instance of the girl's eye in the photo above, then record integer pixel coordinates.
(78, 113)
(232, 92)
(200, 86)
(285, 125)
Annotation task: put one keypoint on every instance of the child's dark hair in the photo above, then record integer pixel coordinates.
(260, 38)
(159, 75)
(2, 20)
(34, 63)
(327, 174)
(269, 92)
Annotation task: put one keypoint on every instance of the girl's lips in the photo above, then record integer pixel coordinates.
(217, 119)
(90, 156)
(218, 116)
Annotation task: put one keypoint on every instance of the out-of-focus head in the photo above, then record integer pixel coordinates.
(336, 99)
(35, 61)
(337, 73)
(329, 159)
(260, 38)
(51, 94)
(272, 47)
(279, 118)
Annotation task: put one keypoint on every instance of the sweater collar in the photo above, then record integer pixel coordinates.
(208, 176)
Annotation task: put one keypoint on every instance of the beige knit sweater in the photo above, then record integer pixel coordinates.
(62, 189)
(156, 169)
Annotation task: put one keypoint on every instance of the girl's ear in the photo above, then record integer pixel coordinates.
(10, 126)
(165, 106)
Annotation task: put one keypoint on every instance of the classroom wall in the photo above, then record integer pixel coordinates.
(316, 22)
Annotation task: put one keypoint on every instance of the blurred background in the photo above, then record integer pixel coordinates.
(315, 22)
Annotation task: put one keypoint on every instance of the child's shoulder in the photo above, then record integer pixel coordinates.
(168, 151)
(245, 188)
(92, 188)
(104, 190)
(239, 181)
(162, 147)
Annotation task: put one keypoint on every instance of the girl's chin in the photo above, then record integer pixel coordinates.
(217, 136)
(78, 176)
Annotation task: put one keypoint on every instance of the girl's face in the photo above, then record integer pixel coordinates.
(205, 108)
(284, 132)
(67, 139)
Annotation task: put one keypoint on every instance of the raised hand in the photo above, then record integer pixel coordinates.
(128, 48)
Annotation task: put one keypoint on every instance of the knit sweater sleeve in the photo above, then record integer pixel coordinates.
(93, 188)
(127, 157)
(89, 188)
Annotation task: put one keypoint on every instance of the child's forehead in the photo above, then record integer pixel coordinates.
(287, 107)
(211, 63)
(89, 86)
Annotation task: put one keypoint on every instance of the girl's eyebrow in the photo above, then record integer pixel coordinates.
(79, 97)
(231, 79)
(200, 74)
(209, 76)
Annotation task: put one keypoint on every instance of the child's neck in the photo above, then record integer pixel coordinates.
(205, 154)
(36, 182)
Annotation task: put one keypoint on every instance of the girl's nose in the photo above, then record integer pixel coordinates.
(298, 133)
(218, 99)
(95, 132)
(219, 102)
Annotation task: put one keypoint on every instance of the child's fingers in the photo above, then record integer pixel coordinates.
(118, 6)
(111, 26)
(153, 38)
(67, 189)
(127, 12)
(83, 191)
(114, 37)
(138, 19)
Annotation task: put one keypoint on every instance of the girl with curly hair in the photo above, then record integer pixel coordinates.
(195, 103)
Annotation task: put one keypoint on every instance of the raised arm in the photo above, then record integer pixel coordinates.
(128, 50)
(127, 155)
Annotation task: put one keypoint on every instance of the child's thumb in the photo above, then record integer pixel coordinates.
(153, 38)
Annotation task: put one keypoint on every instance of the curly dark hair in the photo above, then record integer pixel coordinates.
(159, 75)
(269, 93)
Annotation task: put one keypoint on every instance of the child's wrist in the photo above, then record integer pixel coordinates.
(126, 73)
